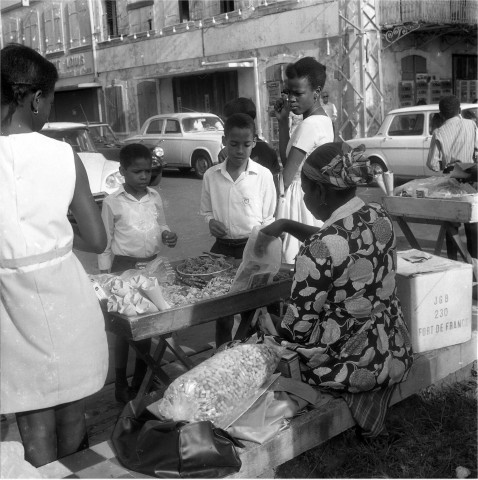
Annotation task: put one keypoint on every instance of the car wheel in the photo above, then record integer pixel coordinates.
(201, 163)
(184, 169)
(378, 167)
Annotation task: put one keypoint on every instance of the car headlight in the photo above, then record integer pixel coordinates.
(114, 180)
(158, 152)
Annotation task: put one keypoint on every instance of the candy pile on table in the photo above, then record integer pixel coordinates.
(149, 290)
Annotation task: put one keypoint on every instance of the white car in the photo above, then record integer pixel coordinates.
(103, 174)
(188, 140)
(401, 144)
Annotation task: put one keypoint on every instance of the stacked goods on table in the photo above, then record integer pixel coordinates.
(156, 286)
(445, 187)
(449, 198)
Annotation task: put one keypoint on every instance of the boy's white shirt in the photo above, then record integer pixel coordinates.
(133, 227)
(242, 204)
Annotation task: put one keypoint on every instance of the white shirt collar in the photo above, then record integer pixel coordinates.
(251, 169)
(352, 206)
(122, 191)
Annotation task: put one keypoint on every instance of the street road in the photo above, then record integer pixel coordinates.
(181, 195)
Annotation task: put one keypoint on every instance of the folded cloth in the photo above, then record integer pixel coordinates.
(369, 409)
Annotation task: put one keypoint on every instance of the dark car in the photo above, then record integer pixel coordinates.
(107, 142)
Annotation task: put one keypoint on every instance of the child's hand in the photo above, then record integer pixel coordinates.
(169, 238)
(217, 228)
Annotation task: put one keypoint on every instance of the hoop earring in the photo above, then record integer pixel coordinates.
(35, 111)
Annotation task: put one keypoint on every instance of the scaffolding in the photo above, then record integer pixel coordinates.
(359, 70)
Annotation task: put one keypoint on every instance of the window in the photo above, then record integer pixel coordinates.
(111, 18)
(31, 31)
(172, 126)
(140, 16)
(226, 5)
(407, 124)
(114, 108)
(79, 23)
(11, 30)
(155, 126)
(184, 11)
(465, 67)
(412, 65)
(53, 28)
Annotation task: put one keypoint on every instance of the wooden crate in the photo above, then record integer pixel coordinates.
(463, 209)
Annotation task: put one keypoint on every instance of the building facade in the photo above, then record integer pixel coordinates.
(122, 61)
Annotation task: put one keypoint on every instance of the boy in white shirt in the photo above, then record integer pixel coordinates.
(237, 195)
(136, 227)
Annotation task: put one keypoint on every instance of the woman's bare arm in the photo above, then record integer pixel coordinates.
(89, 233)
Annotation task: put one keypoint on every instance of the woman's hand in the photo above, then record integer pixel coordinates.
(169, 238)
(281, 110)
(217, 228)
(275, 229)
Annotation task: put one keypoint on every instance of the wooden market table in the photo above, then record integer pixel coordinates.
(448, 214)
(165, 323)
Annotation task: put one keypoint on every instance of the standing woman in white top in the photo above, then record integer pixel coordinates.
(305, 80)
(53, 350)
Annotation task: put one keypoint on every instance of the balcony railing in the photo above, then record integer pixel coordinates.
(398, 12)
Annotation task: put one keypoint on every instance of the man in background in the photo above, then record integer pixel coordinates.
(329, 108)
(455, 141)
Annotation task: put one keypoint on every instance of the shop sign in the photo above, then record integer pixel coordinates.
(74, 65)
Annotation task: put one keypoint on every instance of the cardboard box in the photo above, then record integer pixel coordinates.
(435, 294)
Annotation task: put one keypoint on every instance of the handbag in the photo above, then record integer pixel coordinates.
(281, 200)
(171, 449)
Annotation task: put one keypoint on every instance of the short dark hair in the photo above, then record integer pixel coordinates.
(24, 71)
(239, 120)
(129, 153)
(310, 68)
(240, 105)
(449, 106)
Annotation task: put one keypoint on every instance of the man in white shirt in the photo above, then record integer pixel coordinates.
(455, 141)
(237, 195)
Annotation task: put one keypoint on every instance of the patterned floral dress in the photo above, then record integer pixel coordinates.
(344, 319)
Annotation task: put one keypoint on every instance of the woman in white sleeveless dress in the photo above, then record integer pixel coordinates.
(53, 350)
(305, 80)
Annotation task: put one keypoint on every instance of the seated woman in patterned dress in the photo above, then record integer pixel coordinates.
(344, 318)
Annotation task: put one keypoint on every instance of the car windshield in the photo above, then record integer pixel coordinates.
(79, 139)
(203, 123)
(103, 134)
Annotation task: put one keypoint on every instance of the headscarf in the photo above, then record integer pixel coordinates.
(348, 167)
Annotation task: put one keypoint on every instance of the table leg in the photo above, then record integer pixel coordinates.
(179, 353)
(243, 328)
(452, 230)
(154, 368)
(408, 233)
(440, 239)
